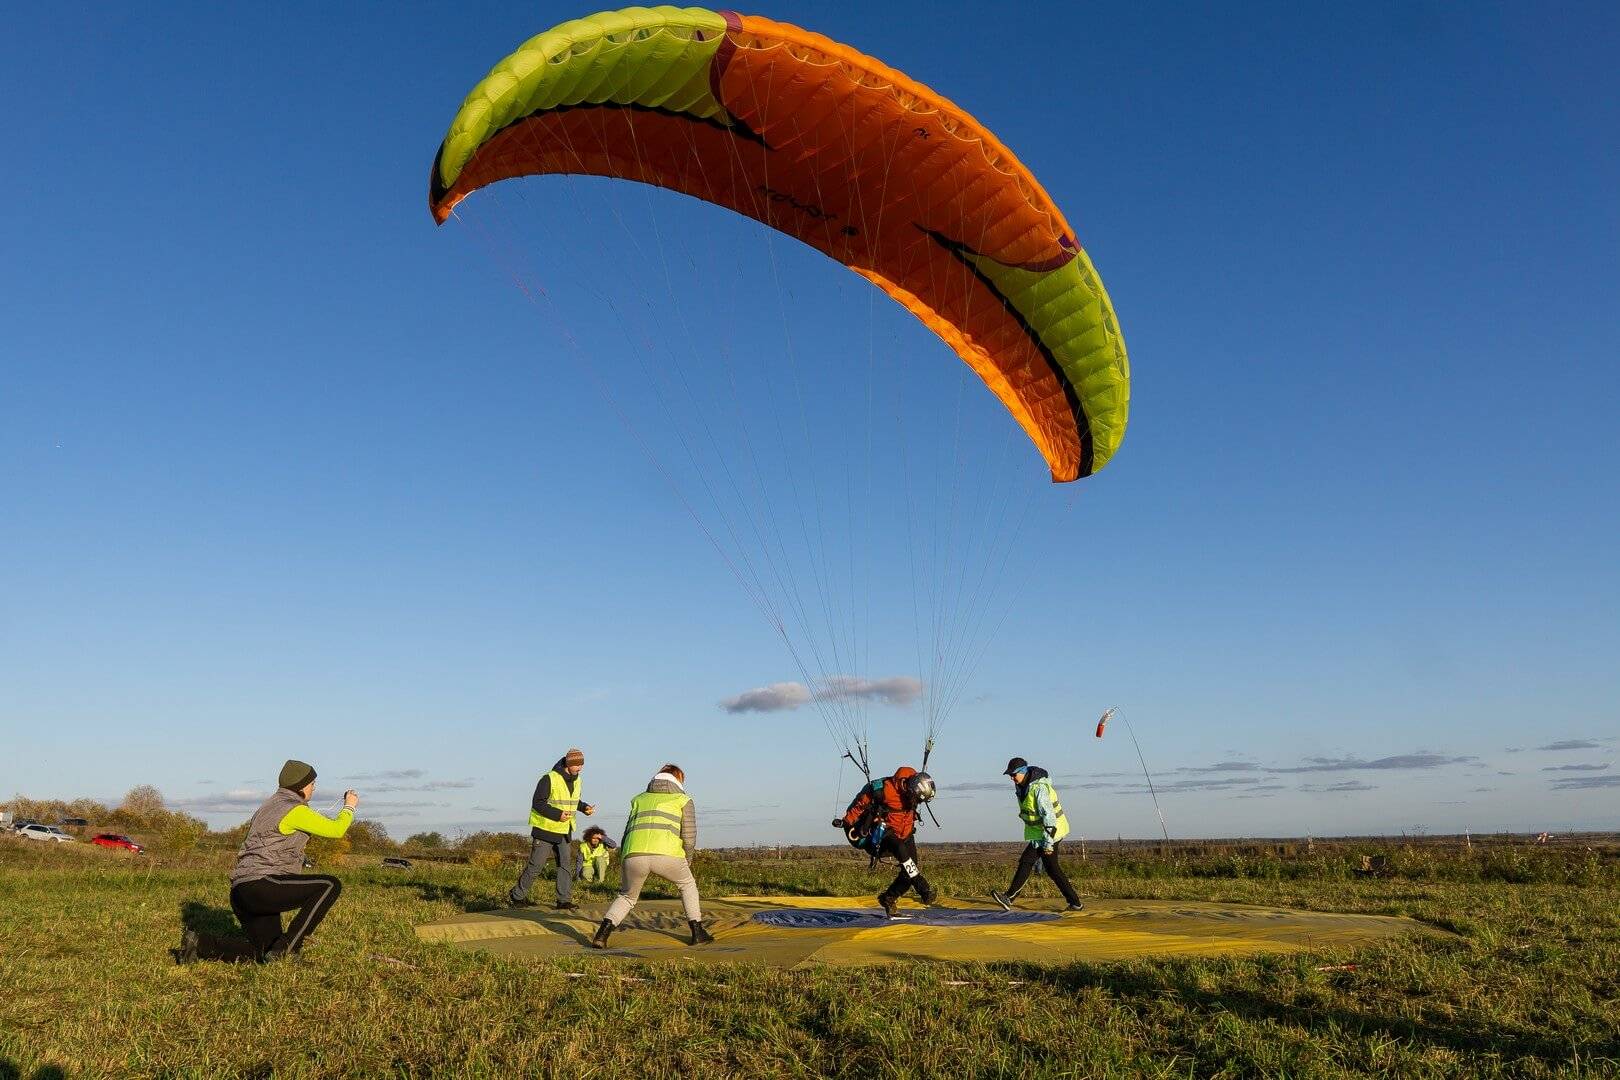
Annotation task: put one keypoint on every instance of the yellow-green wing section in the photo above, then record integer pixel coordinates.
(652, 57)
(1069, 311)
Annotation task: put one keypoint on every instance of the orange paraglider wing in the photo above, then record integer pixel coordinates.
(830, 146)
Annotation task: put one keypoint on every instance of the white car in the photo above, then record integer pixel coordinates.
(45, 832)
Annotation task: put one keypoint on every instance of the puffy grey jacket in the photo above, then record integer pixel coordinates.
(265, 851)
(665, 784)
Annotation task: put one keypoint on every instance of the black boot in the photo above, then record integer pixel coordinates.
(602, 931)
(930, 897)
(187, 952)
(700, 936)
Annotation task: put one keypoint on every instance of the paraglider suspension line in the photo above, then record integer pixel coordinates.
(928, 749)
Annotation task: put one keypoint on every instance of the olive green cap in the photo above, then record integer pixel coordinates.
(295, 774)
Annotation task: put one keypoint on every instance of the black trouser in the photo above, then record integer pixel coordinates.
(259, 903)
(1054, 870)
(904, 852)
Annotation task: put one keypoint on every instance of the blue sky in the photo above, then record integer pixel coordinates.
(287, 471)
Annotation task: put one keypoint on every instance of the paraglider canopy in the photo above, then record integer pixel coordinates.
(822, 143)
(835, 148)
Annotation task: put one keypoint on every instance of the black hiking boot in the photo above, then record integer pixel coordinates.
(1075, 905)
(518, 901)
(890, 905)
(700, 936)
(1003, 899)
(566, 905)
(187, 952)
(930, 898)
(602, 931)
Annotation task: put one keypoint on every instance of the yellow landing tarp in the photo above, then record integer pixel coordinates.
(1106, 930)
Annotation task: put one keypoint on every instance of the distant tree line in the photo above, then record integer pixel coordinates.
(143, 814)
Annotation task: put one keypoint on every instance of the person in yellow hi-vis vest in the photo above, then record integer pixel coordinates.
(660, 838)
(1045, 826)
(595, 855)
(551, 828)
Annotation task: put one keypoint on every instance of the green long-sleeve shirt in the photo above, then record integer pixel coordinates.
(302, 819)
(277, 834)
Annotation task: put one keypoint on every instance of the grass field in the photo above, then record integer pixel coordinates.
(1528, 988)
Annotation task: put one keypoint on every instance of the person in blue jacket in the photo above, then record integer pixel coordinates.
(1045, 826)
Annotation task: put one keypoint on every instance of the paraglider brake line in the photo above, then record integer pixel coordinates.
(860, 764)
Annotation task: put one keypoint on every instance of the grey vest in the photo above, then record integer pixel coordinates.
(266, 851)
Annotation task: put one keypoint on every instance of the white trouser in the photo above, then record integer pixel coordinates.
(673, 869)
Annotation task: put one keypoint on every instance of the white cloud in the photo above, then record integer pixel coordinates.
(895, 690)
(236, 800)
(776, 697)
(1422, 760)
(1585, 783)
(898, 690)
(431, 785)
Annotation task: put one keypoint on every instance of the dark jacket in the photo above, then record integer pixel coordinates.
(542, 792)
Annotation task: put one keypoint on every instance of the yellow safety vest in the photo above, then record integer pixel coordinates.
(1030, 814)
(558, 798)
(590, 854)
(655, 825)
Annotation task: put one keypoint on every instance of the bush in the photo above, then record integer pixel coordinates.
(494, 841)
(327, 852)
(369, 835)
(143, 806)
(183, 833)
(486, 860)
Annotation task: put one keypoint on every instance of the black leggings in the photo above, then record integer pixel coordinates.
(904, 852)
(259, 903)
(1054, 870)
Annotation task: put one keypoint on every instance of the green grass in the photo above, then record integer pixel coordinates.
(1528, 989)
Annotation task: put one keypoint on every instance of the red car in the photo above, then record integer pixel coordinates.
(113, 840)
